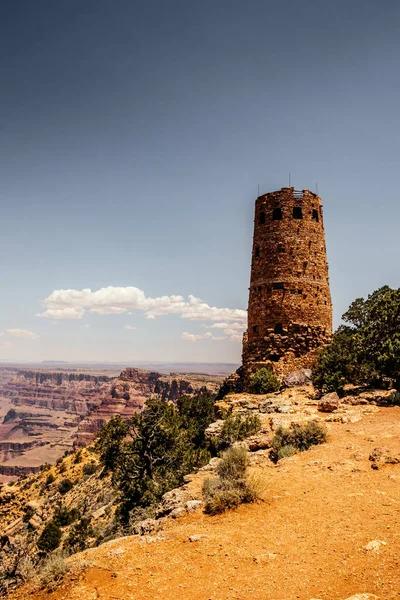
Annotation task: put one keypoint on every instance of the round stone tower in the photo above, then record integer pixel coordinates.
(290, 309)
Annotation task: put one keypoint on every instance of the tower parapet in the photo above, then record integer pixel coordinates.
(290, 308)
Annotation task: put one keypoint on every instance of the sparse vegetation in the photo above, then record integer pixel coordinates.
(65, 486)
(50, 538)
(264, 381)
(54, 570)
(64, 516)
(89, 468)
(232, 486)
(297, 438)
(76, 540)
(236, 428)
(49, 479)
(150, 454)
(366, 350)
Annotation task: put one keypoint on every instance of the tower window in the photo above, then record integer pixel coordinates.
(278, 329)
(274, 357)
(257, 252)
(262, 218)
(281, 248)
(278, 285)
(277, 214)
(255, 329)
(315, 216)
(259, 288)
(299, 291)
(297, 212)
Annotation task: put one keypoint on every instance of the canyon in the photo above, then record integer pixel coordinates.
(45, 414)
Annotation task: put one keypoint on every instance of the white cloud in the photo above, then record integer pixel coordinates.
(1, 333)
(130, 327)
(233, 331)
(23, 333)
(195, 337)
(73, 304)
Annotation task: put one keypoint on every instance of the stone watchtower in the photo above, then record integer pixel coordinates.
(290, 309)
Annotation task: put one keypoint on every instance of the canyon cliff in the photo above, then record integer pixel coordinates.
(43, 414)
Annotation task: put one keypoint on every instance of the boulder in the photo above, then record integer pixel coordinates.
(276, 406)
(146, 526)
(172, 500)
(329, 402)
(35, 522)
(297, 378)
(214, 429)
(383, 456)
(260, 442)
(33, 505)
(193, 505)
(178, 513)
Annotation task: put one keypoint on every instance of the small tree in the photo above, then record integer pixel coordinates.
(50, 538)
(76, 540)
(150, 454)
(264, 381)
(367, 348)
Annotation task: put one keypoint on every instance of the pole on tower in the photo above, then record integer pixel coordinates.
(290, 180)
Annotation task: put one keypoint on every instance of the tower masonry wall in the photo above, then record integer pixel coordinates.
(290, 309)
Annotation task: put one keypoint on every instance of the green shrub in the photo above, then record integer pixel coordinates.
(89, 468)
(50, 538)
(297, 437)
(286, 451)
(236, 428)
(152, 452)
(264, 381)
(49, 479)
(78, 457)
(64, 516)
(65, 486)
(28, 514)
(231, 487)
(395, 399)
(366, 350)
(76, 540)
(45, 467)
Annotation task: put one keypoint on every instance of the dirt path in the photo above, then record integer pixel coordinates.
(304, 541)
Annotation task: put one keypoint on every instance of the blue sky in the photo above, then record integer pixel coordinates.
(133, 137)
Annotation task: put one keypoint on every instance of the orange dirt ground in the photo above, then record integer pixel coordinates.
(304, 541)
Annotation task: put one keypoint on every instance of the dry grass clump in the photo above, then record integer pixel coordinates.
(54, 570)
(232, 486)
(297, 438)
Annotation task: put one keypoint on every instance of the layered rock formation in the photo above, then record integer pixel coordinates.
(43, 414)
(130, 391)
